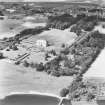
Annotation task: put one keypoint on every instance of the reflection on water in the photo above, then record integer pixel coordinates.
(29, 99)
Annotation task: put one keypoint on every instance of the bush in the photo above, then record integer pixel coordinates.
(64, 92)
(55, 73)
(68, 72)
(40, 67)
(1, 55)
(80, 88)
(7, 49)
(47, 66)
(65, 51)
(76, 30)
(14, 47)
(33, 65)
(46, 56)
(26, 64)
(69, 63)
(17, 63)
(90, 96)
(63, 45)
(53, 52)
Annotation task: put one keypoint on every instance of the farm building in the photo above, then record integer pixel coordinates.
(41, 43)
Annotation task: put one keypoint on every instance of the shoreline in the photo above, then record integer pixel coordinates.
(32, 93)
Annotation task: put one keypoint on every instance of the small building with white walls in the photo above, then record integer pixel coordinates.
(41, 43)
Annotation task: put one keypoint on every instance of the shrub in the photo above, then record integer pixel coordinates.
(40, 67)
(65, 51)
(47, 66)
(76, 30)
(69, 63)
(68, 72)
(17, 63)
(14, 47)
(53, 52)
(80, 88)
(64, 92)
(77, 82)
(55, 73)
(46, 56)
(90, 96)
(26, 64)
(1, 55)
(33, 65)
(63, 45)
(49, 71)
(7, 49)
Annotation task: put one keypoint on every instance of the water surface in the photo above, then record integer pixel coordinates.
(29, 99)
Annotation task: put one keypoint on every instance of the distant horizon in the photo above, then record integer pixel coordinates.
(99, 2)
(44, 1)
(88, 1)
(32, 0)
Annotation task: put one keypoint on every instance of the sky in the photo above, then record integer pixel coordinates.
(32, 0)
(45, 0)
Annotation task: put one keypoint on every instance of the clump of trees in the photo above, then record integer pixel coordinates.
(73, 60)
(80, 89)
(87, 24)
(52, 66)
(13, 47)
(64, 92)
(63, 21)
(84, 53)
(38, 67)
(30, 31)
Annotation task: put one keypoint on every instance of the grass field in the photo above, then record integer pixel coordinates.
(20, 79)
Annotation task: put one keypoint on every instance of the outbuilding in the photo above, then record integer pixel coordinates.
(41, 43)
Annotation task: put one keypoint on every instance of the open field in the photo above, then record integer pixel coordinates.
(55, 37)
(98, 67)
(27, 80)
(11, 27)
(19, 79)
(84, 103)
